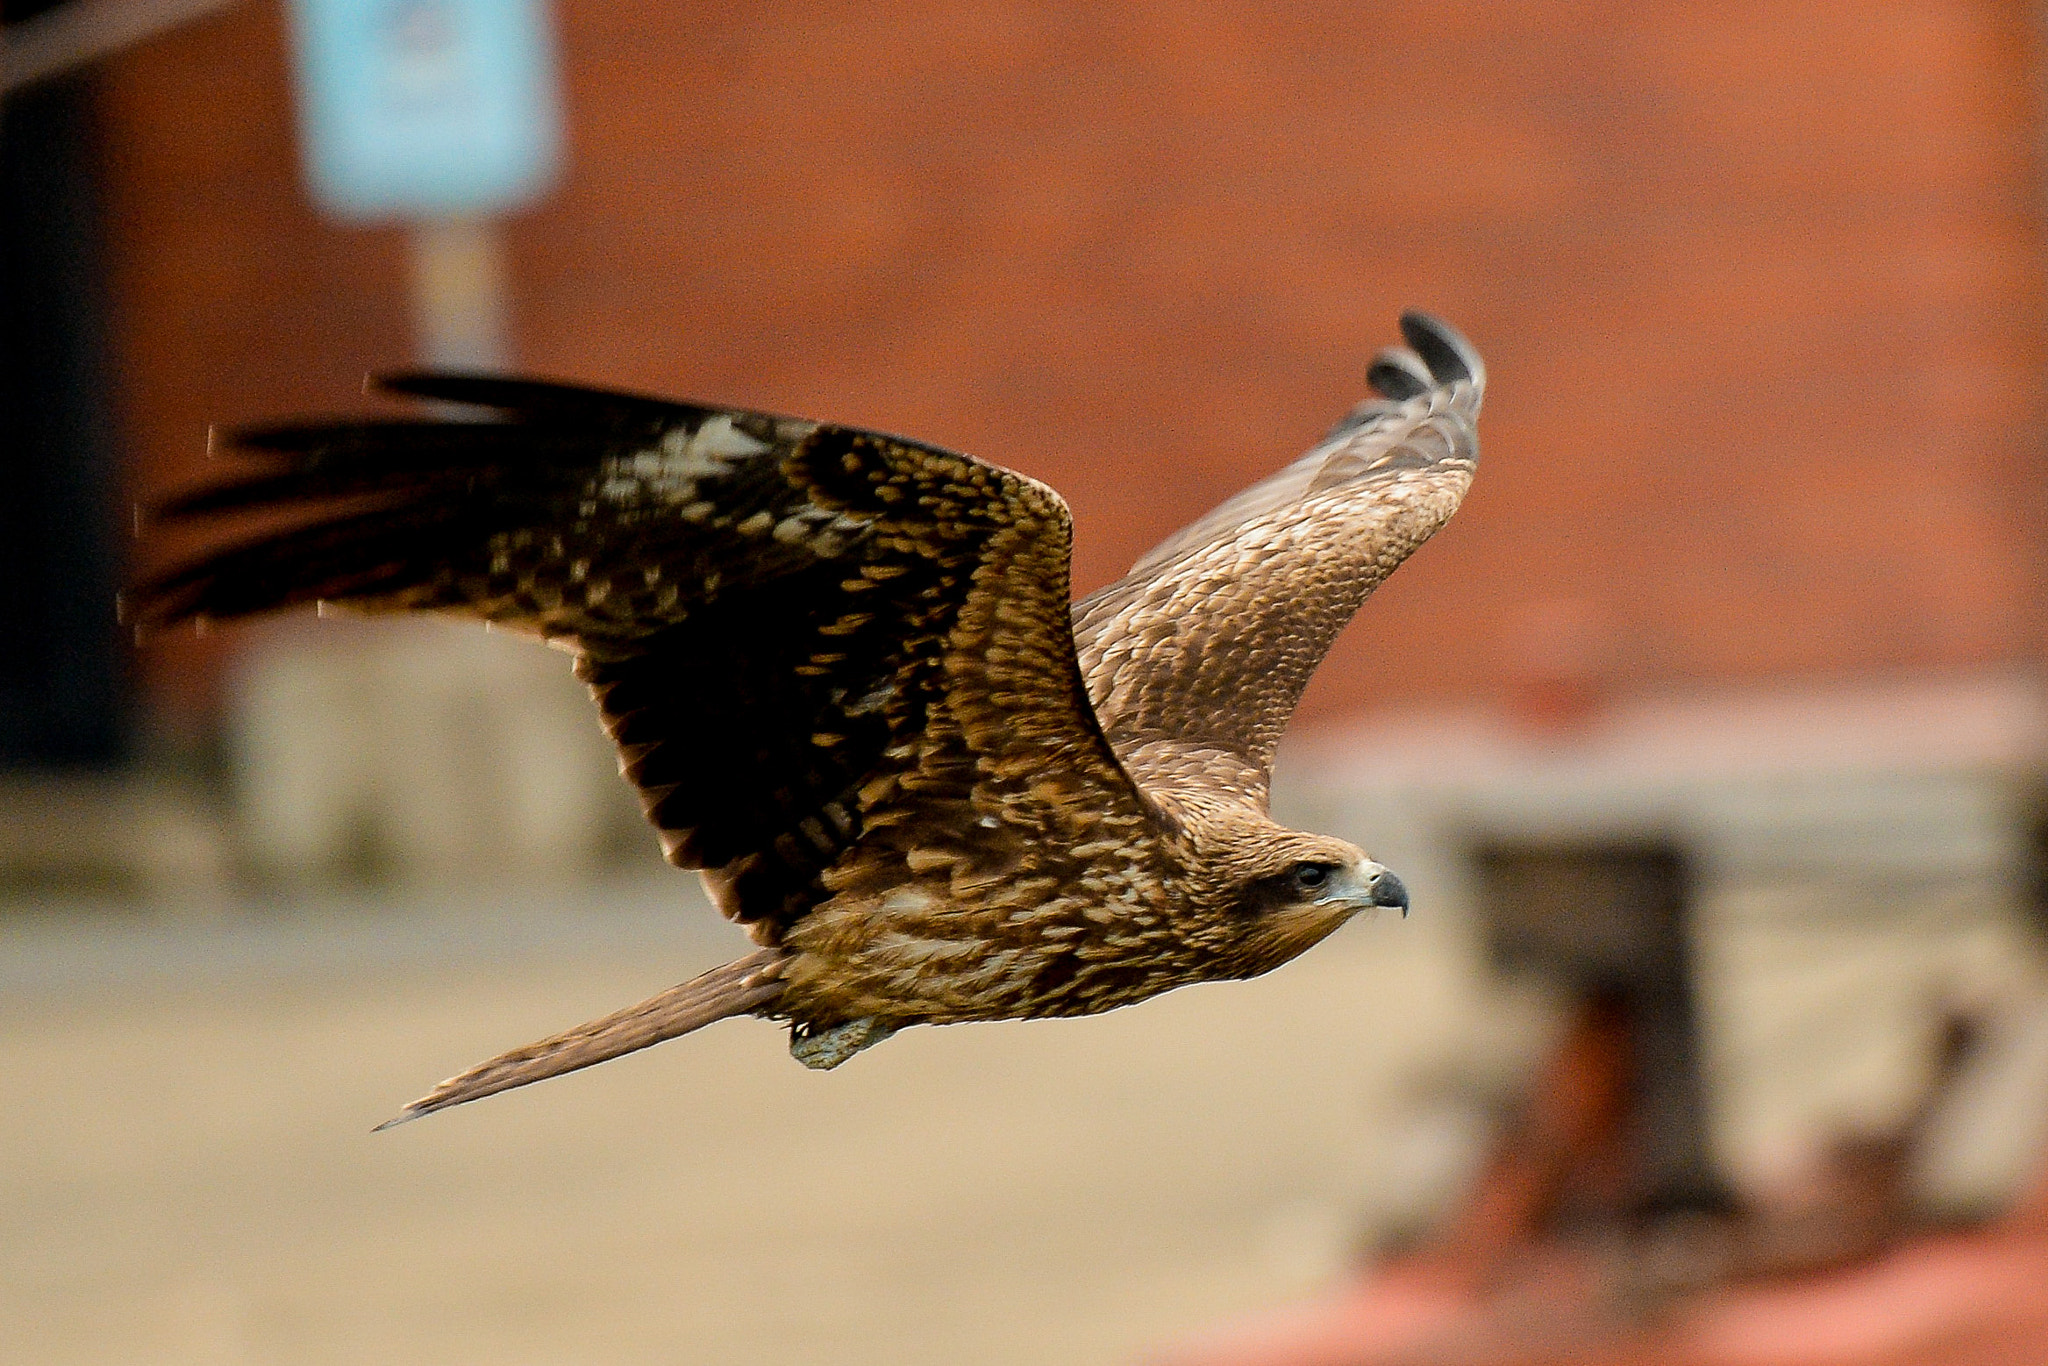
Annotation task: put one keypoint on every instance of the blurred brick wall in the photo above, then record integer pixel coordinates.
(232, 299)
(1760, 285)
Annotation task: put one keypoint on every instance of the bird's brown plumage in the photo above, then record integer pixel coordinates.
(842, 670)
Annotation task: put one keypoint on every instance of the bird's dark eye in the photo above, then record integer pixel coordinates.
(1309, 876)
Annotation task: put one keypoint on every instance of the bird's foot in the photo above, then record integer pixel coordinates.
(827, 1048)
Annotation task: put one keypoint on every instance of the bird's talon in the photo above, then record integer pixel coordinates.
(825, 1049)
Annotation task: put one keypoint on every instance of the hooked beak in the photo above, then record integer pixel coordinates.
(1390, 891)
(1372, 887)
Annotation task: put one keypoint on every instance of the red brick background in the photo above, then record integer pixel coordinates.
(1760, 286)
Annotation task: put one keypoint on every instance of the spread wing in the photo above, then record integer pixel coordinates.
(801, 636)
(1197, 657)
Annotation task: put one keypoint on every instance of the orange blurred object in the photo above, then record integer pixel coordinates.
(1504, 1285)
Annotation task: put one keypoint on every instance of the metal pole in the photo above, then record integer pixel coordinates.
(458, 295)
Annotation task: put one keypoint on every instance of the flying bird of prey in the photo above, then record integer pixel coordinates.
(844, 673)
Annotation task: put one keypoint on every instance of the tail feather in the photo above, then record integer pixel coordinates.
(738, 988)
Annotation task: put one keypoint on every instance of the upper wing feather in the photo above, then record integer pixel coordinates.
(797, 633)
(1196, 659)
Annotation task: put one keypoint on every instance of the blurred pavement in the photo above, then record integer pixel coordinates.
(187, 1173)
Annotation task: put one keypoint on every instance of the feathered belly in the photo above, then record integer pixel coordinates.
(916, 955)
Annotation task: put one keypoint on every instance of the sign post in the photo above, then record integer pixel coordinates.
(442, 113)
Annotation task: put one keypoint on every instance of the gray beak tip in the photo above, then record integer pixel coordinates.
(1388, 890)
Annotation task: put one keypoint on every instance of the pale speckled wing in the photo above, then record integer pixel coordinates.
(1197, 658)
(823, 653)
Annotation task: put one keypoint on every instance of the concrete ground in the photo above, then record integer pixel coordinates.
(187, 1173)
(187, 1176)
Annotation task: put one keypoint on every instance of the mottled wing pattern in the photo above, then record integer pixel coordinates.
(800, 636)
(1196, 659)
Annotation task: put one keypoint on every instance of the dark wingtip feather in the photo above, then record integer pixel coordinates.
(1443, 348)
(152, 609)
(347, 436)
(534, 399)
(314, 461)
(1398, 374)
(470, 390)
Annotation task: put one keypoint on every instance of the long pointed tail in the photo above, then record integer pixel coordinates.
(738, 988)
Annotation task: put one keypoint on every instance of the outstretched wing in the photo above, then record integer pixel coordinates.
(1197, 657)
(799, 635)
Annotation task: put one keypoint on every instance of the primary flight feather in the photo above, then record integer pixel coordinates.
(844, 673)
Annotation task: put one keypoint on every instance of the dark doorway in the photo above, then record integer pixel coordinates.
(62, 664)
(1610, 923)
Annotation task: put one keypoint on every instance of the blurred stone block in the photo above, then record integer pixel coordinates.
(98, 836)
(422, 750)
(1991, 1138)
(1866, 861)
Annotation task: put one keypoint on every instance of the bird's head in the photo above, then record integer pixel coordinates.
(1285, 890)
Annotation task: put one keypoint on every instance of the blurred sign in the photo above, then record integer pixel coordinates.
(426, 108)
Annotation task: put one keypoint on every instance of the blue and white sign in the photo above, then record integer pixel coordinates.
(427, 108)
